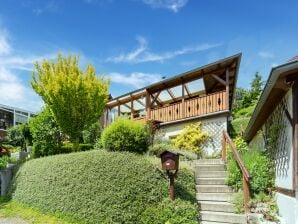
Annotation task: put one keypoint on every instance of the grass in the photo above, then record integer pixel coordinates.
(13, 209)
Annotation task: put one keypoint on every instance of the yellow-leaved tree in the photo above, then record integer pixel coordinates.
(76, 98)
(191, 138)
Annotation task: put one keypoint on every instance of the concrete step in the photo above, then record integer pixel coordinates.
(214, 189)
(214, 196)
(210, 181)
(209, 161)
(221, 174)
(216, 206)
(223, 217)
(213, 167)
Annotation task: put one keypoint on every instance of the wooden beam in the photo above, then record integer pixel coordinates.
(217, 78)
(183, 101)
(107, 117)
(228, 88)
(171, 94)
(295, 135)
(155, 98)
(140, 102)
(119, 111)
(131, 110)
(187, 90)
(148, 106)
(116, 102)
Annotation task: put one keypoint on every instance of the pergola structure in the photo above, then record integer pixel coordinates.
(205, 90)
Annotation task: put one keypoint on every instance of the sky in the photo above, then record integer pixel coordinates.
(138, 42)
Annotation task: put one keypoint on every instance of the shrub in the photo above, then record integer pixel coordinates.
(125, 135)
(259, 166)
(172, 212)
(100, 186)
(93, 133)
(15, 136)
(157, 148)
(68, 148)
(238, 125)
(46, 134)
(3, 161)
(191, 138)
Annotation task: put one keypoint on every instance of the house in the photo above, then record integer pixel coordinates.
(274, 127)
(204, 94)
(11, 116)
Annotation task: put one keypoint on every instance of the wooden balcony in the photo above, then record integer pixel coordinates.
(211, 103)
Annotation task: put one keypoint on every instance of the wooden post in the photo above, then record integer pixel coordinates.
(227, 89)
(295, 135)
(224, 147)
(107, 117)
(183, 101)
(131, 110)
(246, 194)
(119, 112)
(148, 106)
(172, 191)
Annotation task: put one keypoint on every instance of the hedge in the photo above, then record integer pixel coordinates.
(100, 187)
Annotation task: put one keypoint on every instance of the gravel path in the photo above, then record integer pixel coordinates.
(12, 221)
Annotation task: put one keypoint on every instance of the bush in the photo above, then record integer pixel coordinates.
(191, 138)
(46, 134)
(100, 186)
(125, 135)
(238, 125)
(158, 148)
(167, 211)
(93, 133)
(260, 168)
(68, 148)
(3, 162)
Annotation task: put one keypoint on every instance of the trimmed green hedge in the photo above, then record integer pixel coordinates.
(102, 187)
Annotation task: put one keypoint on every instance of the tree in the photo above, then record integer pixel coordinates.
(77, 98)
(256, 86)
(46, 134)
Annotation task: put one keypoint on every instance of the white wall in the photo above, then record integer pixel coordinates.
(288, 208)
(213, 126)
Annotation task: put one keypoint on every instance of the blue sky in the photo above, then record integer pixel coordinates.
(137, 42)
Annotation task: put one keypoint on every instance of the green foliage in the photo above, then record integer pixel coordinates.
(68, 148)
(100, 186)
(77, 98)
(158, 148)
(248, 98)
(237, 200)
(3, 161)
(259, 166)
(93, 133)
(125, 135)
(238, 125)
(171, 212)
(15, 136)
(191, 138)
(46, 134)
(244, 112)
(12, 148)
(240, 144)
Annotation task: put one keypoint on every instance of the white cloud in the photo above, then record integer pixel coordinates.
(4, 45)
(266, 54)
(135, 79)
(142, 54)
(173, 5)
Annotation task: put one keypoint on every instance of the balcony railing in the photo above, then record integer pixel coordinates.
(190, 108)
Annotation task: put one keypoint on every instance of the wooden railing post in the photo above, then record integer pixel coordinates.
(246, 193)
(245, 174)
(224, 147)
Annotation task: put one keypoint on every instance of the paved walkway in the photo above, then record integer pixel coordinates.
(12, 221)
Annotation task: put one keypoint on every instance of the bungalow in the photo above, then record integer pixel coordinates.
(11, 116)
(204, 94)
(274, 127)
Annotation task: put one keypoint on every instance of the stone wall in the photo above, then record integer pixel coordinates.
(5, 178)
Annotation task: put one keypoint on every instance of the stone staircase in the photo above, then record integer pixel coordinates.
(213, 195)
